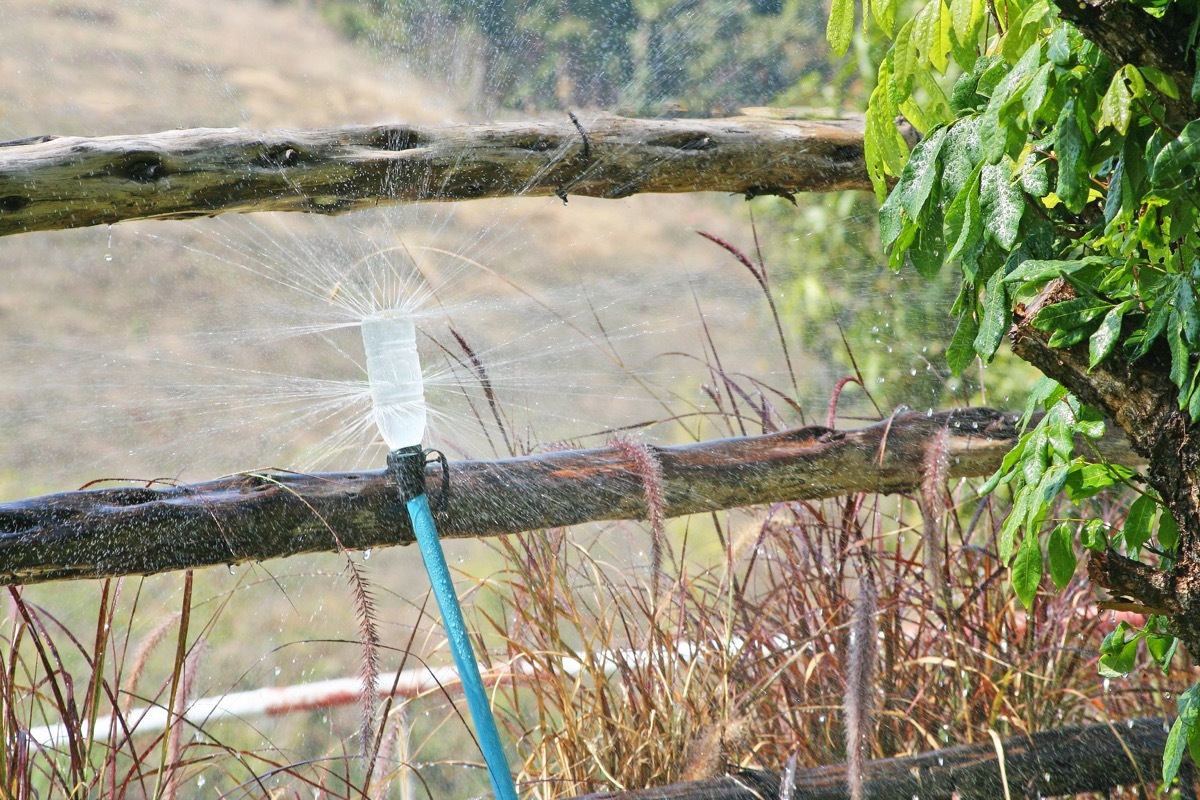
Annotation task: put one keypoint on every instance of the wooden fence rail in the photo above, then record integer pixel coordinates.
(256, 516)
(1053, 763)
(49, 182)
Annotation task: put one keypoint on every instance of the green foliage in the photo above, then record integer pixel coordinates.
(1045, 164)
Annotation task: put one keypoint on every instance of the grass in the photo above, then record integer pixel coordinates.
(855, 628)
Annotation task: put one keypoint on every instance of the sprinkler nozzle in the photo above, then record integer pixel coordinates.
(394, 375)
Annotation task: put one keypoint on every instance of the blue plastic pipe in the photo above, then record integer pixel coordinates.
(460, 648)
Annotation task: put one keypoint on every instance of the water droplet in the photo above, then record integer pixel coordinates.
(108, 257)
(278, 670)
(233, 569)
(366, 554)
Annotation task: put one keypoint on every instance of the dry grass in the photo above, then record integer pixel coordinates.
(746, 662)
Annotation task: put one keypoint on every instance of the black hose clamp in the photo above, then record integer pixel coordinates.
(407, 466)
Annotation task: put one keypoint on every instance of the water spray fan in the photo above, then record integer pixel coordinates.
(398, 399)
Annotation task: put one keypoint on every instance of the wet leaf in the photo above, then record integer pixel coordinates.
(1070, 314)
(1183, 730)
(1115, 105)
(961, 351)
(995, 317)
(919, 173)
(1072, 185)
(964, 224)
(884, 13)
(841, 26)
(1002, 203)
(965, 17)
(1179, 154)
(1105, 338)
(1085, 480)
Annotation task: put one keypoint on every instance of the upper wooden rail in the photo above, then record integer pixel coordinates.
(256, 516)
(50, 182)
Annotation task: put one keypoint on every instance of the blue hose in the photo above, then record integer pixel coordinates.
(460, 647)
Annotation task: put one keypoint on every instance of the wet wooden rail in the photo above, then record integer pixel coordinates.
(141, 530)
(52, 182)
(1054, 763)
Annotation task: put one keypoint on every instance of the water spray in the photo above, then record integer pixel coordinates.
(398, 398)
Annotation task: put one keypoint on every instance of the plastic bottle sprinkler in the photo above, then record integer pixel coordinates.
(398, 398)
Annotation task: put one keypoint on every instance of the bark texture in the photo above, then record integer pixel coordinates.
(252, 517)
(1127, 34)
(50, 182)
(1064, 761)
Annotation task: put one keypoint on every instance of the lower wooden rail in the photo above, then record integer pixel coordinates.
(1054, 763)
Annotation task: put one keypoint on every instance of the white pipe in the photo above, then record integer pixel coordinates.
(274, 700)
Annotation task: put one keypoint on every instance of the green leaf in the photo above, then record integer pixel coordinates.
(1119, 654)
(1185, 301)
(840, 27)
(1162, 649)
(919, 173)
(1070, 314)
(1179, 352)
(1093, 537)
(995, 317)
(884, 13)
(961, 351)
(1038, 270)
(1059, 49)
(1115, 105)
(1138, 524)
(904, 54)
(1183, 730)
(1105, 338)
(1002, 203)
(964, 224)
(926, 253)
(891, 220)
(1168, 532)
(965, 17)
(1035, 93)
(1061, 549)
(1027, 570)
(1086, 480)
(1073, 183)
(1180, 153)
(932, 35)
(1160, 80)
(1008, 531)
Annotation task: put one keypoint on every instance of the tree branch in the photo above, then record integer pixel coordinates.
(1141, 398)
(255, 516)
(1127, 34)
(51, 182)
(1064, 761)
